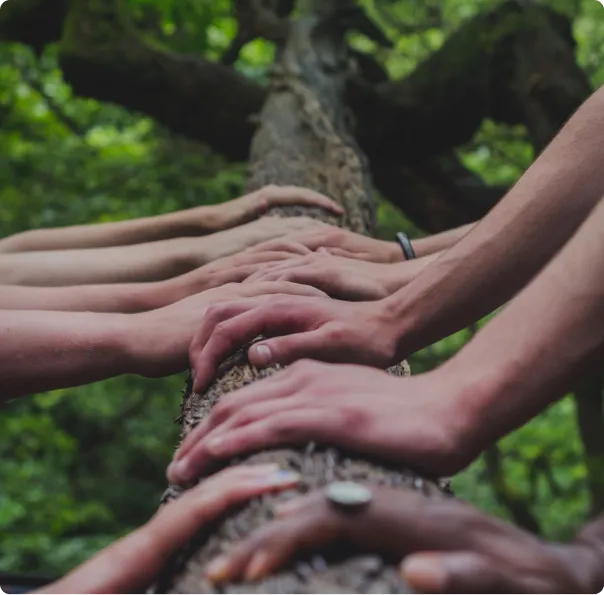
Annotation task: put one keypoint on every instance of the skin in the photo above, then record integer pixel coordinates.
(484, 269)
(447, 546)
(191, 222)
(344, 278)
(347, 244)
(45, 350)
(137, 297)
(131, 564)
(526, 358)
(153, 261)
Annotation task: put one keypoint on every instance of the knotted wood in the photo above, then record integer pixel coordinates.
(303, 138)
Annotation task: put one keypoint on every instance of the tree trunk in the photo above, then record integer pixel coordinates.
(302, 139)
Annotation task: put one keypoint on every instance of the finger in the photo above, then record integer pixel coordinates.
(347, 254)
(292, 195)
(269, 388)
(130, 564)
(289, 348)
(272, 547)
(200, 453)
(281, 245)
(223, 334)
(284, 288)
(462, 572)
(289, 428)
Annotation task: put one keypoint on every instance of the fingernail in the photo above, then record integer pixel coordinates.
(179, 471)
(281, 478)
(262, 354)
(425, 574)
(257, 567)
(218, 569)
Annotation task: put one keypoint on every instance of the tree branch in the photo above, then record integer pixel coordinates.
(513, 64)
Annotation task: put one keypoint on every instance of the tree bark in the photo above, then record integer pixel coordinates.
(302, 139)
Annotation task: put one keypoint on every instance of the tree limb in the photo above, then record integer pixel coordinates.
(513, 64)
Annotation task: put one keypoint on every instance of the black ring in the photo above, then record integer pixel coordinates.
(405, 243)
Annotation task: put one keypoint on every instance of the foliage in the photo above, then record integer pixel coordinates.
(82, 466)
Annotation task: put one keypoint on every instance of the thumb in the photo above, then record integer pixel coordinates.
(284, 350)
(459, 572)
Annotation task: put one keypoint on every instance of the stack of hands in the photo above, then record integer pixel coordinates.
(445, 546)
(276, 284)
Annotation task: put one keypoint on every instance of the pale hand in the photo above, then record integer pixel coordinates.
(253, 205)
(257, 232)
(449, 547)
(131, 564)
(158, 340)
(412, 421)
(341, 242)
(300, 327)
(341, 278)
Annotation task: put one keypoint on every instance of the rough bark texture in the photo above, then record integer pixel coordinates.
(302, 139)
(513, 64)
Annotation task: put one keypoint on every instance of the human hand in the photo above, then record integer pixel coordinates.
(342, 278)
(450, 546)
(327, 330)
(261, 230)
(340, 242)
(408, 420)
(246, 208)
(130, 565)
(158, 340)
(229, 269)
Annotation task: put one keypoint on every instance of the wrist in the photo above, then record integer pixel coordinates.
(393, 252)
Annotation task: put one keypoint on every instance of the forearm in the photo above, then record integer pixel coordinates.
(514, 241)
(101, 235)
(42, 351)
(440, 241)
(125, 264)
(122, 298)
(532, 352)
(399, 275)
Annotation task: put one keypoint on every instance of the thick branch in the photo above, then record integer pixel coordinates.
(513, 64)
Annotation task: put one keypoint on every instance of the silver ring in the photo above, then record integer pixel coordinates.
(348, 495)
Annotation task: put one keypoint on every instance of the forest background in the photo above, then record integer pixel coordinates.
(80, 467)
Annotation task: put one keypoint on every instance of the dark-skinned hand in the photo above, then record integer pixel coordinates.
(446, 546)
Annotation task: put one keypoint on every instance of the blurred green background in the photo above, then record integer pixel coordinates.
(80, 467)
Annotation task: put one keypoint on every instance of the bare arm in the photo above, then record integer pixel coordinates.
(440, 241)
(190, 222)
(47, 350)
(532, 352)
(514, 241)
(153, 261)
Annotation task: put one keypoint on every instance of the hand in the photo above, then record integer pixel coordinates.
(414, 421)
(450, 547)
(342, 278)
(326, 330)
(129, 565)
(159, 340)
(246, 208)
(341, 242)
(230, 269)
(235, 240)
